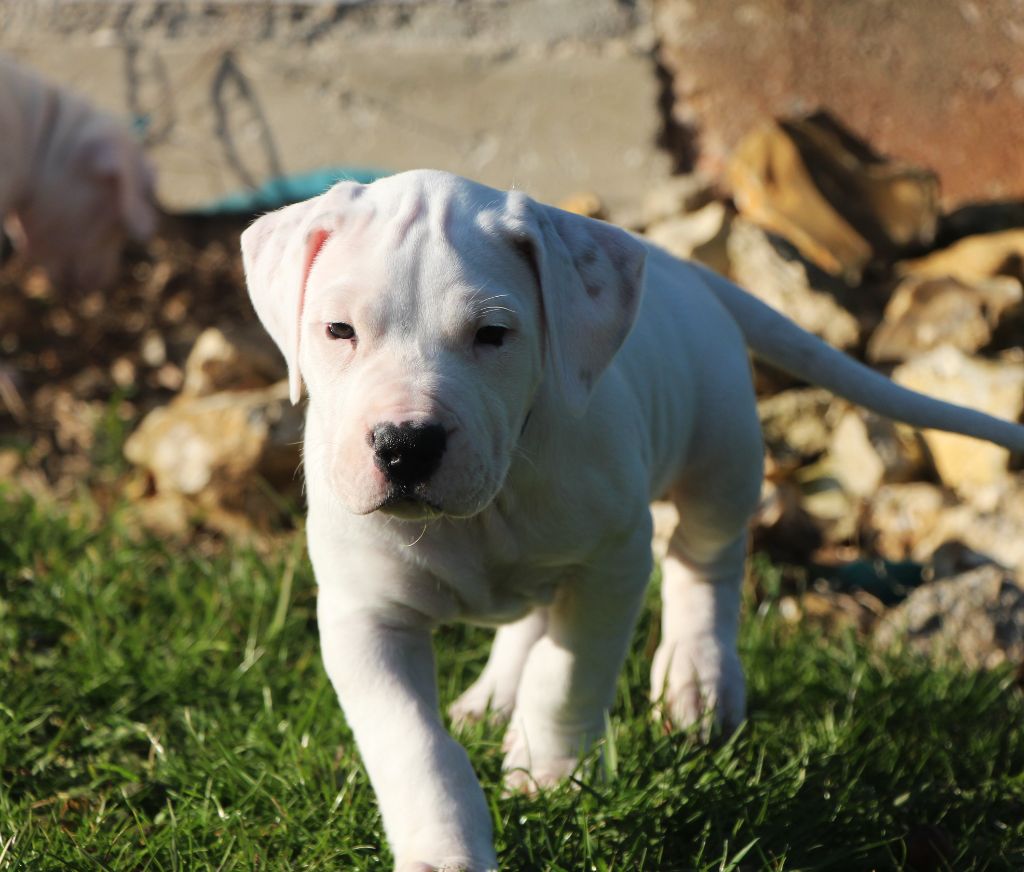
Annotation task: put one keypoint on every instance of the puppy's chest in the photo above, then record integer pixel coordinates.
(495, 580)
(491, 592)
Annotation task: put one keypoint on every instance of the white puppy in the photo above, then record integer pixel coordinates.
(74, 183)
(497, 390)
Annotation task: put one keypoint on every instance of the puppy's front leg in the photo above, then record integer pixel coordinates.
(495, 689)
(433, 808)
(568, 684)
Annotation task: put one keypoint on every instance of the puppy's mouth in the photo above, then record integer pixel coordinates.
(409, 506)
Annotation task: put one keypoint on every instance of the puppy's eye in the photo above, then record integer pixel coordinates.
(491, 335)
(340, 330)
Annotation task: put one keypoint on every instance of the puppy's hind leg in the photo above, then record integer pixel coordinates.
(494, 692)
(696, 677)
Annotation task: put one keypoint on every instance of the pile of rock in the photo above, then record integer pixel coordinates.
(855, 249)
(225, 451)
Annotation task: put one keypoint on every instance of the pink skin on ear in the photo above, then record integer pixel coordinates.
(315, 241)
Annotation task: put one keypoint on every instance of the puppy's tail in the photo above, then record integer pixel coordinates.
(783, 344)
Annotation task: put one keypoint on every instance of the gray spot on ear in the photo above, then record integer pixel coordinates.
(620, 261)
(524, 247)
(587, 377)
(593, 290)
(630, 272)
(629, 288)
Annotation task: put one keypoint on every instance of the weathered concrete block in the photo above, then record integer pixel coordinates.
(551, 96)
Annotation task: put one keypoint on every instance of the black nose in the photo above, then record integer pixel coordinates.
(408, 454)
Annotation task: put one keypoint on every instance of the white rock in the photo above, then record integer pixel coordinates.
(764, 266)
(975, 469)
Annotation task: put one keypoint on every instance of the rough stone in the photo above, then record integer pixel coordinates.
(797, 424)
(867, 450)
(833, 508)
(550, 96)
(701, 235)
(977, 617)
(926, 524)
(224, 452)
(924, 313)
(975, 469)
(838, 203)
(768, 267)
(972, 258)
(234, 358)
(899, 516)
(781, 526)
(677, 195)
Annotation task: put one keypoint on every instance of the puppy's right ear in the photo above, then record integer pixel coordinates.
(278, 251)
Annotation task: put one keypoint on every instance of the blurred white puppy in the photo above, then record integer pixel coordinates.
(497, 390)
(74, 183)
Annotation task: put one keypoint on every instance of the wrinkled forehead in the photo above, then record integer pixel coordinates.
(420, 237)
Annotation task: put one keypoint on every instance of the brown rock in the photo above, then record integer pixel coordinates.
(977, 617)
(700, 235)
(833, 508)
(975, 469)
(237, 358)
(838, 203)
(924, 523)
(997, 533)
(219, 450)
(781, 525)
(798, 423)
(924, 313)
(900, 516)
(678, 195)
(973, 258)
(769, 268)
(867, 450)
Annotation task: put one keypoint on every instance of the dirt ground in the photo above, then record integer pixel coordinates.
(84, 369)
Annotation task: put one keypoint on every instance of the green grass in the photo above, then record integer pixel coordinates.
(161, 709)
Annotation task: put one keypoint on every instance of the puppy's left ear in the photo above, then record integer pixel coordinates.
(278, 251)
(591, 276)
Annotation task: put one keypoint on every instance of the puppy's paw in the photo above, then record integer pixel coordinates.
(698, 683)
(530, 773)
(482, 700)
(456, 864)
(541, 775)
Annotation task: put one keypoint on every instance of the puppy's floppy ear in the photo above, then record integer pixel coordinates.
(114, 156)
(278, 251)
(591, 275)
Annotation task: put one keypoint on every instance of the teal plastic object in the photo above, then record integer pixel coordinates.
(283, 190)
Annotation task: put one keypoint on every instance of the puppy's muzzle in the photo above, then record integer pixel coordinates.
(409, 453)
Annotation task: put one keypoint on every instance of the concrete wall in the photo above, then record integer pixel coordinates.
(552, 96)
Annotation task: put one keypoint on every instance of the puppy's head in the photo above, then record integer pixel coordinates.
(96, 191)
(427, 315)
